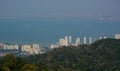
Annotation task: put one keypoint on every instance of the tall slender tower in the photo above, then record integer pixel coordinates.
(85, 40)
(70, 39)
(90, 40)
(77, 41)
(62, 42)
(66, 40)
(36, 48)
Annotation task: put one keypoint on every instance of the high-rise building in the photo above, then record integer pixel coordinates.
(90, 40)
(77, 41)
(27, 48)
(85, 40)
(117, 36)
(62, 42)
(36, 49)
(66, 41)
(70, 39)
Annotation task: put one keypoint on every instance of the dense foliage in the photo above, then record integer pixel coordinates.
(103, 55)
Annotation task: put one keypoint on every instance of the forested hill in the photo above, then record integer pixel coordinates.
(103, 55)
(107, 43)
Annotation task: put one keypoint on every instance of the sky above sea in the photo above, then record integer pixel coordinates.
(46, 21)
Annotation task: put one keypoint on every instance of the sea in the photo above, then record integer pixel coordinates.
(48, 31)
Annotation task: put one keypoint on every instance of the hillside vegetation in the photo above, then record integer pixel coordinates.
(103, 55)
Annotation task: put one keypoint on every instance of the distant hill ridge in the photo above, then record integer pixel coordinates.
(110, 42)
(103, 55)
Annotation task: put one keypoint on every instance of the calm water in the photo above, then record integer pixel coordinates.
(48, 31)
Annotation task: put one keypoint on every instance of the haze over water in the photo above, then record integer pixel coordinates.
(46, 21)
(46, 32)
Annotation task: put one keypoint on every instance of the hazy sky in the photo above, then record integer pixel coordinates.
(109, 9)
(36, 19)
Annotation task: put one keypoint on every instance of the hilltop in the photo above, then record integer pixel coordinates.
(103, 55)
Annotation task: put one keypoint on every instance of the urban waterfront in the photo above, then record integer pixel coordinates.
(33, 49)
(59, 35)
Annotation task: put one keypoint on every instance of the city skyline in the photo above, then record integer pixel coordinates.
(69, 41)
(59, 35)
(33, 49)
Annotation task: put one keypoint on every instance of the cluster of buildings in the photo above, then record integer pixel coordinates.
(8, 47)
(36, 49)
(17, 49)
(11, 47)
(67, 41)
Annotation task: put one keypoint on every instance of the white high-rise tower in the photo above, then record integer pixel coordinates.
(77, 41)
(85, 40)
(90, 40)
(70, 39)
(66, 40)
(62, 42)
(36, 48)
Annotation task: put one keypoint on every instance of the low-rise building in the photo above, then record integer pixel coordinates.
(117, 36)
